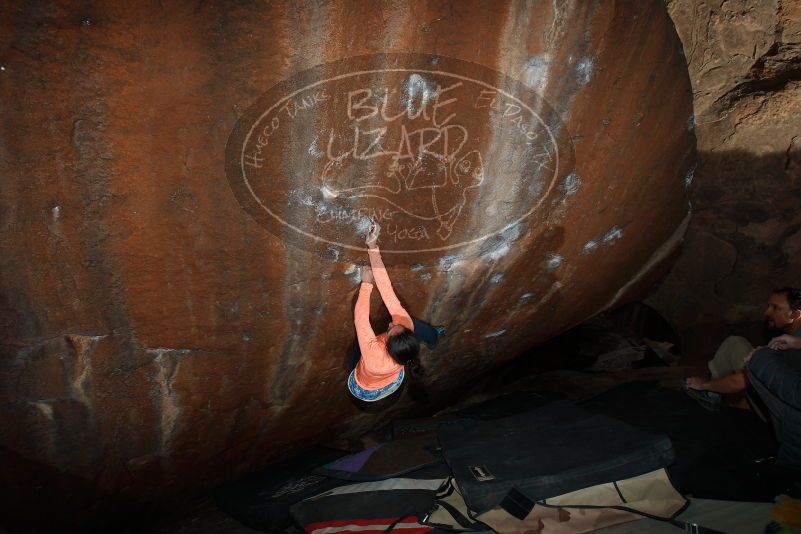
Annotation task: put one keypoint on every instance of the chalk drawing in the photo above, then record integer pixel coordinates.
(395, 233)
(448, 177)
(405, 146)
(427, 159)
(326, 212)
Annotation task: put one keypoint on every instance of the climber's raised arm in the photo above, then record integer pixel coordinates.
(399, 314)
(361, 312)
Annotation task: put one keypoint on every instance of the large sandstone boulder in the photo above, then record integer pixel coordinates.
(185, 189)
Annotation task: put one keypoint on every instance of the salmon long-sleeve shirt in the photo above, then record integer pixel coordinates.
(377, 368)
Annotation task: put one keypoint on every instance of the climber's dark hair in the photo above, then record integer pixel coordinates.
(793, 296)
(404, 347)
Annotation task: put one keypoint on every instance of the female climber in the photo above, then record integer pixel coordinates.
(379, 362)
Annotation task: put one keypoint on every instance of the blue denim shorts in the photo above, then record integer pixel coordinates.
(372, 395)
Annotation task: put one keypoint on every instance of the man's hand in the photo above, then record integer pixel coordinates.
(367, 274)
(785, 342)
(372, 236)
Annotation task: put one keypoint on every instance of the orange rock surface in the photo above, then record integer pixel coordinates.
(178, 274)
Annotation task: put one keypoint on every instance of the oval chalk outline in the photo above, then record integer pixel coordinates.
(403, 70)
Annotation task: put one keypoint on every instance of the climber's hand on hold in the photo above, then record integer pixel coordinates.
(372, 236)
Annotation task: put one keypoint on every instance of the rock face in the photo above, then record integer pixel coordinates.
(185, 190)
(743, 241)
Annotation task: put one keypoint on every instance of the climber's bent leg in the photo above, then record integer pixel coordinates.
(425, 332)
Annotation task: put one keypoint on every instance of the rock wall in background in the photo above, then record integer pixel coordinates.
(744, 238)
(176, 299)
